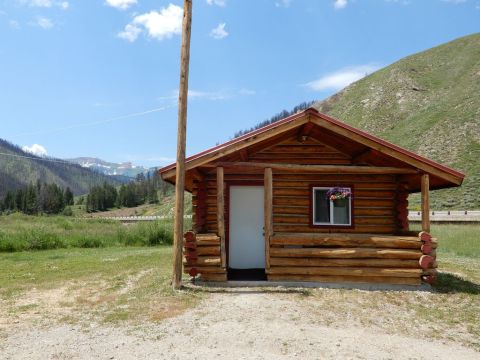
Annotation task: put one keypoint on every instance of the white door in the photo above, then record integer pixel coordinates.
(246, 240)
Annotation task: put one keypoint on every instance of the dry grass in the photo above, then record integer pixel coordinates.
(89, 286)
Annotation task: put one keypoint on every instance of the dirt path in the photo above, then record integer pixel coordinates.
(242, 324)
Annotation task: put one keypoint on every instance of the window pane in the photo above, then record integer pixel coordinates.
(341, 211)
(322, 206)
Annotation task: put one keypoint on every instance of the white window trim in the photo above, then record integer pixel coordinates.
(331, 208)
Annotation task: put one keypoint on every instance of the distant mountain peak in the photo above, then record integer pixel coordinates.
(109, 168)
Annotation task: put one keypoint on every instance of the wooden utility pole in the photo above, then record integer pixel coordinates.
(181, 140)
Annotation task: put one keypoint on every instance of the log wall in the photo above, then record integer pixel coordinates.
(374, 202)
(401, 260)
(368, 251)
(202, 256)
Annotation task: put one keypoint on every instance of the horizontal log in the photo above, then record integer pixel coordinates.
(320, 160)
(214, 277)
(374, 220)
(320, 168)
(208, 250)
(360, 220)
(206, 269)
(391, 263)
(300, 149)
(266, 155)
(344, 178)
(358, 202)
(346, 253)
(207, 240)
(347, 279)
(291, 210)
(356, 193)
(371, 185)
(369, 229)
(346, 271)
(360, 240)
(207, 261)
(207, 236)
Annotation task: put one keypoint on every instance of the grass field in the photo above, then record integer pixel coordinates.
(116, 283)
(20, 232)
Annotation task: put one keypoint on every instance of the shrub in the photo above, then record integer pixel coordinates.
(39, 239)
(68, 211)
(88, 242)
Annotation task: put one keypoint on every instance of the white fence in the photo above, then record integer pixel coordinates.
(136, 218)
(448, 216)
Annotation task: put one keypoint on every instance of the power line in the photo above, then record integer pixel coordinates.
(146, 112)
(38, 158)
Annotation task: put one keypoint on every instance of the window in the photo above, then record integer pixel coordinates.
(332, 206)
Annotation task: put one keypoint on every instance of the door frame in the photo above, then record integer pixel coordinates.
(227, 209)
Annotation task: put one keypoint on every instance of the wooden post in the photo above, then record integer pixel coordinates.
(268, 213)
(181, 141)
(221, 215)
(425, 187)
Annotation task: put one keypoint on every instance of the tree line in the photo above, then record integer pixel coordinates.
(39, 198)
(277, 117)
(144, 190)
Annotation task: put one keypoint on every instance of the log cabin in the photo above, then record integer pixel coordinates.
(310, 198)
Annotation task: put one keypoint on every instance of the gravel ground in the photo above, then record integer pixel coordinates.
(236, 324)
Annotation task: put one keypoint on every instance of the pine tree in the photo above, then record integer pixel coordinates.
(68, 196)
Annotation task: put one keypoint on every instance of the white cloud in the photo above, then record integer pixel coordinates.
(158, 25)
(130, 33)
(283, 3)
(208, 95)
(45, 3)
(217, 2)
(200, 95)
(121, 4)
(340, 4)
(44, 23)
(247, 92)
(219, 32)
(41, 3)
(339, 79)
(35, 149)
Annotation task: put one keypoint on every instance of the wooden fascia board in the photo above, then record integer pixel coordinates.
(386, 150)
(254, 139)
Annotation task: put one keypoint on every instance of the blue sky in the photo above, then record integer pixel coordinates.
(100, 77)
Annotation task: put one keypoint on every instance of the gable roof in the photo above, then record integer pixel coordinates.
(448, 177)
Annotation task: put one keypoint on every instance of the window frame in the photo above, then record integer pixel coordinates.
(314, 224)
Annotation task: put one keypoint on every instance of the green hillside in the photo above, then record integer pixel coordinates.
(18, 168)
(429, 103)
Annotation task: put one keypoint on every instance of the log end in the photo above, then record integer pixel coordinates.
(426, 248)
(426, 261)
(425, 236)
(189, 236)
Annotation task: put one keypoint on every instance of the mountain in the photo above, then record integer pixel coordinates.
(19, 168)
(109, 168)
(428, 103)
